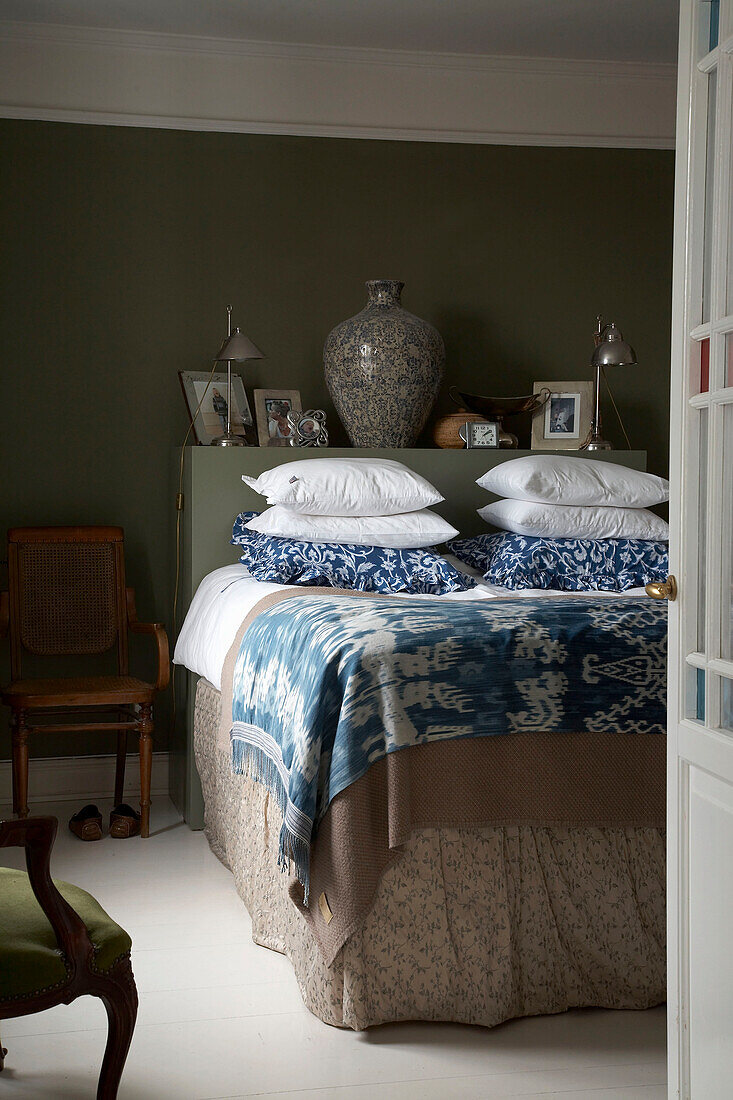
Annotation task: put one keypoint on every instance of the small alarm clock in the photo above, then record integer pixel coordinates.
(480, 433)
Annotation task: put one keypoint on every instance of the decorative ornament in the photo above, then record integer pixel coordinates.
(309, 428)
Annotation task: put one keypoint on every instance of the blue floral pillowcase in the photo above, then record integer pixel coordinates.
(568, 565)
(338, 565)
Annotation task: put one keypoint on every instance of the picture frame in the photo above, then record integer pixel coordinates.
(563, 423)
(309, 428)
(210, 419)
(480, 433)
(271, 410)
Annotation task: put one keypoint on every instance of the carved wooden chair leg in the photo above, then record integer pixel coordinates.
(117, 991)
(20, 765)
(120, 767)
(145, 730)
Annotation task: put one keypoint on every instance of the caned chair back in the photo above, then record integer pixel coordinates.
(67, 593)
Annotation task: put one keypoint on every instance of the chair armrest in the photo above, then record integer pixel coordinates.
(158, 632)
(4, 613)
(36, 835)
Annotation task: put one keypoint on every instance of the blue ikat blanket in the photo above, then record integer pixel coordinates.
(325, 685)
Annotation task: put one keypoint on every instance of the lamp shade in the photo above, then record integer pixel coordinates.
(613, 351)
(238, 347)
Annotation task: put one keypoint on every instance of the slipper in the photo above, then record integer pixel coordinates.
(124, 822)
(87, 824)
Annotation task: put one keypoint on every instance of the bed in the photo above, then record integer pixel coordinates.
(538, 885)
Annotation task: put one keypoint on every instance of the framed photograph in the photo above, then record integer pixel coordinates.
(271, 409)
(563, 423)
(211, 418)
(309, 428)
(477, 433)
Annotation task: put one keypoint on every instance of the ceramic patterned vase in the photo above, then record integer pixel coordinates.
(383, 370)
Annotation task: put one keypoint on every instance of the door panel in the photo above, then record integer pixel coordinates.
(711, 895)
(700, 730)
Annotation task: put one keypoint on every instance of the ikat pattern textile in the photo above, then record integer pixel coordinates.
(324, 686)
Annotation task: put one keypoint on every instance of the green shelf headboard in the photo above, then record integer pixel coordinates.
(214, 494)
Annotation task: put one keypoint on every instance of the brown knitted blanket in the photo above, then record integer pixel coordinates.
(541, 779)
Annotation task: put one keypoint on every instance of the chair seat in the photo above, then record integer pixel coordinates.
(30, 959)
(78, 691)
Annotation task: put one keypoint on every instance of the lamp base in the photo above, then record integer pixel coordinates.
(598, 445)
(229, 439)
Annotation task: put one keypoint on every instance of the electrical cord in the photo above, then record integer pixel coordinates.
(615, 408)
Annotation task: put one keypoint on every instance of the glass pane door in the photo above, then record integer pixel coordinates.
(707, 687)
(700, 731)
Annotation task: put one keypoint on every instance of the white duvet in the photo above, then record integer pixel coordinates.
(227, 595)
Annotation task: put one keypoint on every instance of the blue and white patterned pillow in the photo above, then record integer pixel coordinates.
(338, 565)
(569, 565)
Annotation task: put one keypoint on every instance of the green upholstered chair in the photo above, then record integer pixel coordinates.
(57, 944)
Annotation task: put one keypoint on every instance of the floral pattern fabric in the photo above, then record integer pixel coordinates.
(464, 925)
(570, 565)
(339, 565)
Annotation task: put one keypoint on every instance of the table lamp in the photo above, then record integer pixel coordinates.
(611, 350)
(236, 349)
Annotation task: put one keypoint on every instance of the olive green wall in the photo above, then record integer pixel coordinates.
(121, 248)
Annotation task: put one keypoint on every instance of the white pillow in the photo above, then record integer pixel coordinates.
(561, 521)
(556, 479)
(345, 487)
(408, 531)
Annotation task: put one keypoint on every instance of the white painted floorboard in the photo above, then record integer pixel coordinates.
(222, 1018)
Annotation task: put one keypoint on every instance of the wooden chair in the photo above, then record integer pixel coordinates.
(57, 944)
(68, 598)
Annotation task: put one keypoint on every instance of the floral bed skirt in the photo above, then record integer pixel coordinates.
(473, 925)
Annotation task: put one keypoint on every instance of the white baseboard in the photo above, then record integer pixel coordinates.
(84, 778)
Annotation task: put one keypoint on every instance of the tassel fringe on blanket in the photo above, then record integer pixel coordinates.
(294, 850)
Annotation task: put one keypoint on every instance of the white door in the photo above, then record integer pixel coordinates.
(700, 835)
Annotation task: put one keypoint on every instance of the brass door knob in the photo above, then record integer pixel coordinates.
(663, 590)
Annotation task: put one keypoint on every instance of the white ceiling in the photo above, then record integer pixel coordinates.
(627, 30)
